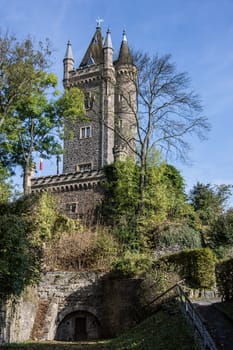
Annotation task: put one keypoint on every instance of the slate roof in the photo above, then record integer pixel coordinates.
(94, 50)
(63, 179)
(125, 56)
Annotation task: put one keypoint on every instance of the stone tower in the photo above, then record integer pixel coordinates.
(107, 134)
(110, 102)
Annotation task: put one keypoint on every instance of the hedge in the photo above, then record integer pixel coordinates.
(196, 266)
(224, 279)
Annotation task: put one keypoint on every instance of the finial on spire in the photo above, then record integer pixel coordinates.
(99, 21)
(124, 36)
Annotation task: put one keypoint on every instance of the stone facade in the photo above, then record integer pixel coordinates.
(108, 133)
(79, 193)
(71, 306)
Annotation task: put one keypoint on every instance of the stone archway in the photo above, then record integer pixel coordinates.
(78, 325)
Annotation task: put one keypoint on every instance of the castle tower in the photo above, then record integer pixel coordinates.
(125, 103)
(106, 135)
(91, 146)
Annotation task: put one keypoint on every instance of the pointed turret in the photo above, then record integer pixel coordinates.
(68, 63)
(69, 53)
(125, 102)
(108, 50)
(125, 56)
(108, 40)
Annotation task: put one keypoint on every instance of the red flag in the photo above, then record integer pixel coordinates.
(41, 164)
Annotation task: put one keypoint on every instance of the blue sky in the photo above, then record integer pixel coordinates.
(197, 33)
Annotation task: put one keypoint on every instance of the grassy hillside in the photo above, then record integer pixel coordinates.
(162, 331)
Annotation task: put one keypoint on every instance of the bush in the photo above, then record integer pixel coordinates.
(18, 265)
(224, 279)
(80, 249)
(155, 283)
(129, 238)
(131, 264)
(175, 235)
(196, 266)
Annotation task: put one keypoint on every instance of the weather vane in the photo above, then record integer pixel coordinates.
(99, 21)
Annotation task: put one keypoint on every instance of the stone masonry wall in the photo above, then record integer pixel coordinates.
(108, 307)
(81, 203)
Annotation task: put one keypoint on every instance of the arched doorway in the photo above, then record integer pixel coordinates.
(78, 325)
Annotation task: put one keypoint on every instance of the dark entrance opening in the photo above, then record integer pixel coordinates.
(78, 325)
(80, 329)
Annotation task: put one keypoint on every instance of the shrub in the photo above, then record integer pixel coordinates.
(129, 238)
(224, 279)
(175, 235)
(131, 264)
(196, 266)
(155, 283)
(18, 266)
(80, 249)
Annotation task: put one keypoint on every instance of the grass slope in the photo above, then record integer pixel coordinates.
(162, 331)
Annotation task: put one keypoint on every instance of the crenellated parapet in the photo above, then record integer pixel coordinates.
(77, 181)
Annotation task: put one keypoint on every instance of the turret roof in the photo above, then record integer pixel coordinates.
(125, 56)
(108, 40)
(69, 53)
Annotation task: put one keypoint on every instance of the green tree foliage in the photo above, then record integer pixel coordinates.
(34, 128)
(5, 186)
(165, 202)
(165, 199)
(222, 232)
(18, 267)
(174, 236)
(31, 120)
(19, 63)
(131, 264)
(209, 203)
(209, 200)
(25, 226)
(121, 189)
(224, 278)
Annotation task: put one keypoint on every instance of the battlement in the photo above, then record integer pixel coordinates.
(67, 182)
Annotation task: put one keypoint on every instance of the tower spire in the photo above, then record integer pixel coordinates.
(68, 63)
(125, 56)
(108, 40)
(69, 53)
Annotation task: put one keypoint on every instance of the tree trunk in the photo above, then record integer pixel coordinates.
(27, 174)
(142, 181)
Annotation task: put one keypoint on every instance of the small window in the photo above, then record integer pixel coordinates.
(71, 207)
(85, 132)
(84, 167)
(88, 131)
(120, 98)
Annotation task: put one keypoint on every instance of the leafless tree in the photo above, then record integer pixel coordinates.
(167, 110)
